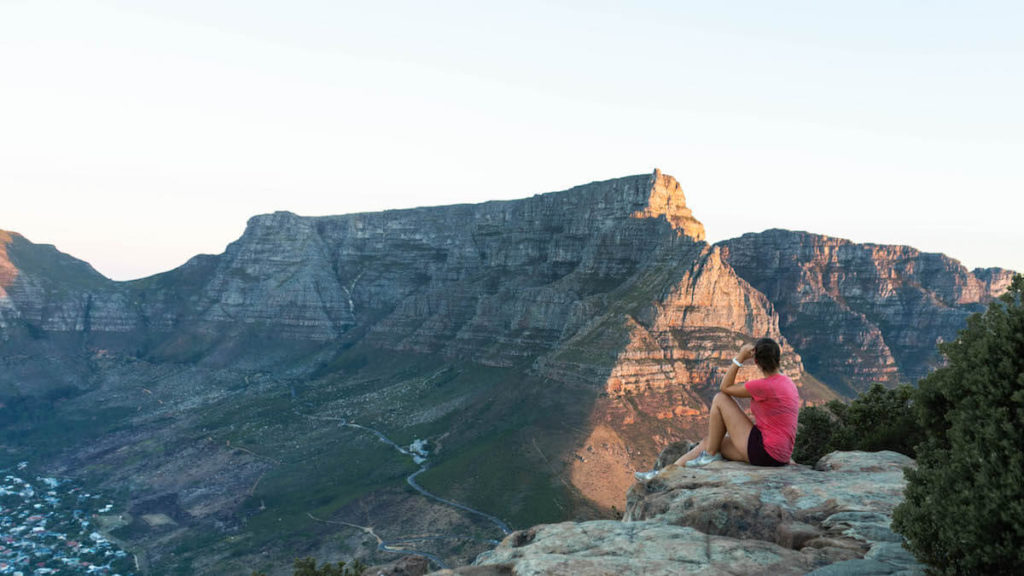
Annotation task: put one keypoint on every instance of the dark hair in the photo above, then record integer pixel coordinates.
(766, 355)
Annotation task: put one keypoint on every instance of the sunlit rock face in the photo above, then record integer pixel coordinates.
(667, 200)
(862, 313)
(662, 381)
(8, 273)
(696, 329)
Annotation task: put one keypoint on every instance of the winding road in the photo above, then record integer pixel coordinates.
(388, 545)
(411, 479)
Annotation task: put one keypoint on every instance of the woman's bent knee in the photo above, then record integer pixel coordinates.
(722, 397)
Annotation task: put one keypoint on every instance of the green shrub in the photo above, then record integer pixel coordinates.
(964, 506)
(879, 419)
(814, 434)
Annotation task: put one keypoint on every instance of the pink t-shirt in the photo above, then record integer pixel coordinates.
(775, 403)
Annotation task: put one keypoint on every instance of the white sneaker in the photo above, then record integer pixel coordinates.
(703, 460)
(645, 476)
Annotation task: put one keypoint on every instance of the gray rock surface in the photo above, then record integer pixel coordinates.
(733, 518)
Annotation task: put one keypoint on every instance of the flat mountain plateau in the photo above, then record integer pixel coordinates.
(540, 350)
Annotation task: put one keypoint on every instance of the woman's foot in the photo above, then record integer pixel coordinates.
(704, 459)
(645, 476)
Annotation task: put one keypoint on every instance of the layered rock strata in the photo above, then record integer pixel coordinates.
(662, 382)
(499, 281)
(667, 200)
(862, 313)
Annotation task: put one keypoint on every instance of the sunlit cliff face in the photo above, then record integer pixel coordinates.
(668, 201)
(662, 382)
(8, 273)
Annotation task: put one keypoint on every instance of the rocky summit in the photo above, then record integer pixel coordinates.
(733, 519)
(305, 391)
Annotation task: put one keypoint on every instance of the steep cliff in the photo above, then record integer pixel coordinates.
(665, 375)
(862, 313)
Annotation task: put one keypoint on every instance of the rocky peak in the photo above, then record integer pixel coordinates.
(667, 199)
(279, 221)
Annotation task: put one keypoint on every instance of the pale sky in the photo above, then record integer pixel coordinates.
(137, 134)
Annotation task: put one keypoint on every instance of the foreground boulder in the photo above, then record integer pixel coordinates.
(732, 518)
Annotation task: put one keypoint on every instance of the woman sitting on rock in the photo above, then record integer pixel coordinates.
(773, 400)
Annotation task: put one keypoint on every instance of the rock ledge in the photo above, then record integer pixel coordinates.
(732, 518)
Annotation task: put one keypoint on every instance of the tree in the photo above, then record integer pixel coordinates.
(964, 506)
(814, 434)
(879, 419)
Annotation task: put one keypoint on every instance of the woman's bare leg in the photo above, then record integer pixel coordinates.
(728, 417)
(728, 430)
(731, 452)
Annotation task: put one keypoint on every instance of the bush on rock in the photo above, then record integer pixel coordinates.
(964, 506)
(879, 419)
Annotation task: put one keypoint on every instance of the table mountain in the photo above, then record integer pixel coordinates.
(544, 348)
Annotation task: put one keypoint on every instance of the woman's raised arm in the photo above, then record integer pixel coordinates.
(729, 385)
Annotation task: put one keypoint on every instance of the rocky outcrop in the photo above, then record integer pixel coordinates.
(667, 200)
(862, 313)
(732, 518)
(277, 278)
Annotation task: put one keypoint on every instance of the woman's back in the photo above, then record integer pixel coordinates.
(775, 403)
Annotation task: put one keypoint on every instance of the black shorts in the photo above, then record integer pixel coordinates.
(756, 453)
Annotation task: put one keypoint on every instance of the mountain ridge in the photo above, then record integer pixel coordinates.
(545, 347)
